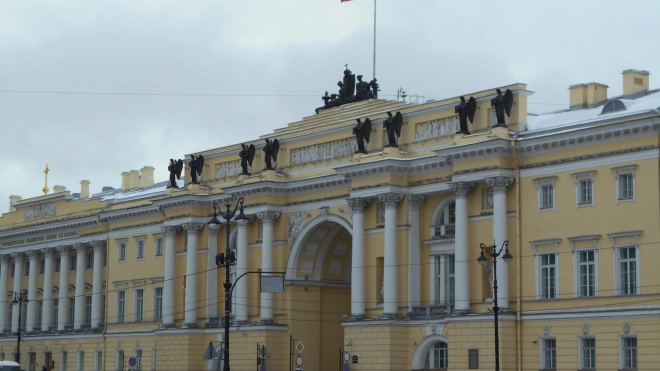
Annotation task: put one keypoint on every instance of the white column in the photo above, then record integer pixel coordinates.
(212, 274)
(191, 275)
(268, 218)
(461, 256)
(63, 305)
(97, 297)
(168, 281)
(47, 311)
(241, 288)
(357, 205)
(4, 282)
(500, 186)
(390, 260)
(18, 287)
(79, 313)
(33, 306)
(414, 261)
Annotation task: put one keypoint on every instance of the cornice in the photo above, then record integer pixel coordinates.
(314, 184)
(138, 211)
(48, 226)
(489, 148)
(396, 166)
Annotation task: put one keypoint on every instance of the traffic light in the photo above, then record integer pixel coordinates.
(220, 260)
(231, 257)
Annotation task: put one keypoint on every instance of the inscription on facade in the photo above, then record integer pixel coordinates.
(38, 212)
(49, 237)
(324, 151)
(436, 128)
(228, 169)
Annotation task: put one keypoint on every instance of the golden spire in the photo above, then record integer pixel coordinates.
(46, 184)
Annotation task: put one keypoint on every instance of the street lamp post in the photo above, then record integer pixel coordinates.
(227, 260)
(19, 299)
(482, 260)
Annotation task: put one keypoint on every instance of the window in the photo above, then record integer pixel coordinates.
(629, 352)
(88, 310)
(158, 303)
(587, 273)
(73, 262)
(445, 225)
(119, 360)
(138, 355)
(436, 358)
(42, 266)
(139, 305)
(98, 362)
(102, 319)
(72, 311)
(90, 261)
(159, 246)
(26, 271)
(627, 265)
(546, 193)
(56, 305)
(121, 254)
(40, 311)
(81, 361)
(548, 354)
(587, 353)
(585, 192)
(548, 276)
(446, 280)
(139, 249)
(625, 183)
(58, 262)
(121, 306)
(63, 360)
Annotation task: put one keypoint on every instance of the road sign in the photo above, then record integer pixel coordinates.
(210, 352)
(347, 357)
(272, 283)
(263, 351)
(347, 367)
(299, 361)
(262, 367)
(300, 347)
(132, 361)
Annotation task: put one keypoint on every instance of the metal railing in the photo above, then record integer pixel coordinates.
(433, 311)
(444, 231)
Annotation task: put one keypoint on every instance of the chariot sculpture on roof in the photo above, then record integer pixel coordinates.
(350, 91)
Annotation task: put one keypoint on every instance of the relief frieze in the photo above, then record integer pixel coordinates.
(323, 152)
(38, 212)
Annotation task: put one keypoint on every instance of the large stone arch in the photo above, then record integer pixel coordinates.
(299, 245)
(423, 348)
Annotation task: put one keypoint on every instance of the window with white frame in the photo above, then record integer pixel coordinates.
(548, 354)
(139, 248)
(139, 305)
(445, 280)
(158, 303)
(119, 360)
(72, 311)
(546, 193)
(445, 223)
(88, 310)
(63, 360)
(547, 275)
(584, 188)
(625, 182)
(586, 262)
(121, 306)
(628, 352)
(121, 251)
(81, 361)
(98, 361)
(627, 269)
(437, 357)
(158, 248)
(587, 355)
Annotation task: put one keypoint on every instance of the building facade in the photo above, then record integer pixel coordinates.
(378, 251)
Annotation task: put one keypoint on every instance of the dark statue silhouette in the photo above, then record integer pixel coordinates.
(350, 91)
(466, 111)
(362, 132)
(175, 168)
(393, 128)
(502, 104)
(247, 156)
(270, 149)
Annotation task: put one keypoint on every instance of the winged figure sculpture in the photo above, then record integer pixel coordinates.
(362, 132)
(502, 104)
(393, 127)
(466, 111)
(247, 156)
(196, 167)
(271, 149)
(175, 168)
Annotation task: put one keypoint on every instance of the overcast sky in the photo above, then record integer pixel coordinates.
(221, 72)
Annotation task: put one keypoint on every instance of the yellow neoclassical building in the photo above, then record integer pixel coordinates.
(378, 250)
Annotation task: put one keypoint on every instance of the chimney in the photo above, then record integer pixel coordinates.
(58, 189)
(635, 81)
(134, 179)
(146, 176)
(13, 199)
(84, 188)
(107, 189)
(125, 179)
(587, 95)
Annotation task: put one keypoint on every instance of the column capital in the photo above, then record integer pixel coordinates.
(213, 229)
(241, 223)
(48, 251)
(358, 204)
(414, 201)
(171, 230)
(17, 255)
(500, 184)
(192, 228)
(32, 254)
(4, 258)
(63, 250)
(390, 200)
(79, 247)
(98, 246)
(461, 189)
(268, 217)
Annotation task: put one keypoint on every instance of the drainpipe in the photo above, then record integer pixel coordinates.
(519, 260)
(107, 272)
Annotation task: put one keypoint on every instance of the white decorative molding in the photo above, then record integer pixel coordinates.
(323, 152)
(546, 331)
(627, 329)
(38, 212)
(486, 199)
(228, 169)
(439, 128)
(296, 220)
(586, 330)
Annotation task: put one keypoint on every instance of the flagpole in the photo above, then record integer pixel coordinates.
(374, 73)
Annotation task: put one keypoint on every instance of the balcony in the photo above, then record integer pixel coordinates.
(432, 311)
(444, 231)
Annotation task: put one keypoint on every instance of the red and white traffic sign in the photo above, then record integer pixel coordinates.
(299, 361)
(347, 357)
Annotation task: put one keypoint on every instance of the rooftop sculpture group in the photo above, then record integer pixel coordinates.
(350, 91)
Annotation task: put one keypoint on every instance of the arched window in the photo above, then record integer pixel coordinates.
(444, 226)
(436, 358)
(613, 106)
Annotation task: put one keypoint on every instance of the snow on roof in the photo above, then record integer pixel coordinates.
(117, 195)
(563, 119)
